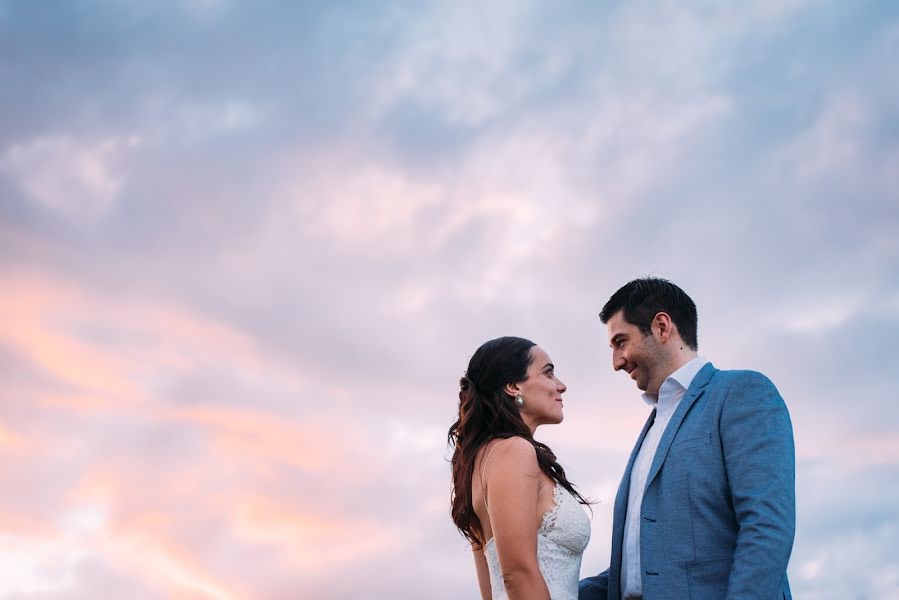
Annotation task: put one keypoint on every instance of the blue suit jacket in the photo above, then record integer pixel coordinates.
(719, 508)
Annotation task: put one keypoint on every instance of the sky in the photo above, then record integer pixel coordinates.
(247, 249)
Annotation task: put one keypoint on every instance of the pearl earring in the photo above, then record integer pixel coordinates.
(519, 400)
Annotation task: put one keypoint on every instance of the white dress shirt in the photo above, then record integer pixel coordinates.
(670, 394)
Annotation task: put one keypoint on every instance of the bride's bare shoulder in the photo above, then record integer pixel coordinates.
(512, 454)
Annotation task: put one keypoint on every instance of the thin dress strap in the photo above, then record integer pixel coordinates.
(483, 469)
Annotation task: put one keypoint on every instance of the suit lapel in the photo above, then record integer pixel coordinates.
(624, 486)
(619, 513)
(697, 387)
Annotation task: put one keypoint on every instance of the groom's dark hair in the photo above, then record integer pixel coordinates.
(642, 299)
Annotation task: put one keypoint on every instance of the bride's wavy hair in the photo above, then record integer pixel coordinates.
(487, 412)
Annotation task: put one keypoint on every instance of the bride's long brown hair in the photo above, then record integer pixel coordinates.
(487, 412)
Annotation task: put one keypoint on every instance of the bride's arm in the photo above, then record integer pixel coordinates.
(480, 565)
(513, 479)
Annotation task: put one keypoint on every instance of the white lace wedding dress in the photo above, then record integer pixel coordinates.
(561, 540)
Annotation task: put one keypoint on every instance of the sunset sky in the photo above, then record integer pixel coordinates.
(247, 249)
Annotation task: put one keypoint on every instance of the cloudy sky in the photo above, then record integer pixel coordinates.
(246, 250)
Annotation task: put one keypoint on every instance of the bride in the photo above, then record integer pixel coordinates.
(510, 497)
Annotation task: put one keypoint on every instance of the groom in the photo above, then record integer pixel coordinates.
(706, 507)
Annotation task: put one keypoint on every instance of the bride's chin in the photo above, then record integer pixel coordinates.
(553, 420)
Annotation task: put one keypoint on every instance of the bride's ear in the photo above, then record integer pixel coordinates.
(512, 389)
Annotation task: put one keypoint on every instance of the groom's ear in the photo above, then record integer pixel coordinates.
(663, 326)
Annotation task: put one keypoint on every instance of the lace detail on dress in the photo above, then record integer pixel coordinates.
(549, 519)
(561, 539)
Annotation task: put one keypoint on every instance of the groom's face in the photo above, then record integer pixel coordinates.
(640, 356)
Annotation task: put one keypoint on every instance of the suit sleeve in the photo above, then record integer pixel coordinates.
(759, 455)
(594, 588)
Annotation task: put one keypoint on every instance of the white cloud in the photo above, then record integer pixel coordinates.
(74, 178)
(460, 58)
(585, 148)
(30, 566)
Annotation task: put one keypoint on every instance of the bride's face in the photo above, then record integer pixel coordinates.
(542, 391)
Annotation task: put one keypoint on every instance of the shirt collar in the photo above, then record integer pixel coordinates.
(681, 378)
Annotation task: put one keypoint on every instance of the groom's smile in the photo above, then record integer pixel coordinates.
(638, 355)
